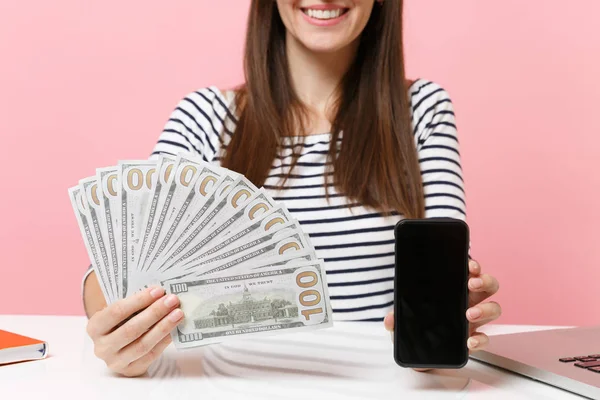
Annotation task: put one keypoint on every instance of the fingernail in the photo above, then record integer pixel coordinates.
(171, 300)
(476, 283)
(157, 292)
(472, 343)
(474, 313)
(175, 315)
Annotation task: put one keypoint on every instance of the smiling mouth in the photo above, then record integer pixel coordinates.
(324, 14)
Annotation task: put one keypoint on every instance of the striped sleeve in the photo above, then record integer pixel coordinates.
(439, 153)
(194, 126)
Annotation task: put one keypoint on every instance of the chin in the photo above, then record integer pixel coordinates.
(331, 45)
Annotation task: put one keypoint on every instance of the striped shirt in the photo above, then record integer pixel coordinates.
(357, 243)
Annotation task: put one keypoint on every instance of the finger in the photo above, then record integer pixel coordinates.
(484, 313)
(141, 323)
(484, 283)
(144, 344)
(388, 321)
(482, 288)
(141, 365)
(474, 268)
(106, 320)
(477, 341)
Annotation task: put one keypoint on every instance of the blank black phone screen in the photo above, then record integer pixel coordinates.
(431, 294)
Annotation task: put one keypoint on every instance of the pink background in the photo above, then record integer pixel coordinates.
(85, 83)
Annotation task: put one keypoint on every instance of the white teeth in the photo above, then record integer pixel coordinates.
(323, 14)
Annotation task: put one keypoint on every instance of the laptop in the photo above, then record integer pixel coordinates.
(566, 358)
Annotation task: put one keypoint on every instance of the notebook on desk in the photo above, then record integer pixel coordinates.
(16, 348)
(566, 358)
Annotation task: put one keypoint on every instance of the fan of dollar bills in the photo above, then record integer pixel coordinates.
(239, 262)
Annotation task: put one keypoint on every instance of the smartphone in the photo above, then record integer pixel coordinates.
(431, 293)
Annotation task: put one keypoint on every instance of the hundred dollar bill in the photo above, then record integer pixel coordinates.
(194, 179)
(271, 221)
(239, 259)
(241, 246)
(165, 167)
(205, 187)
(95, 212)
(235, 196)
(288, 258)
(258, 205)
(254, 208)
(80, 205)
(110, 192)
(194, 215)
(294, 257)
(137, 182)
(267, 301)
(215, 202)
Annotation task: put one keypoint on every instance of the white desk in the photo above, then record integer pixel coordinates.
(351, 360)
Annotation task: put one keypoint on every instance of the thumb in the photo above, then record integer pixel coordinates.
(388, 321)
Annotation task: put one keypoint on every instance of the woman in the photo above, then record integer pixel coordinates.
(327, 123)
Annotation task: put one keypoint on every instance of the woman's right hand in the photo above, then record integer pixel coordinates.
(129, 345)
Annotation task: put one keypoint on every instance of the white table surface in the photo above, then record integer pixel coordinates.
(351, 360)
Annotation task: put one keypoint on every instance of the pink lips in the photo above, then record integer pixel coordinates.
(324, 22)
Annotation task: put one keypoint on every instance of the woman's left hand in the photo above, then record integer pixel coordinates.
(481, 286)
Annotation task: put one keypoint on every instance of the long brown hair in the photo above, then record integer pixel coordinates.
(377, 163)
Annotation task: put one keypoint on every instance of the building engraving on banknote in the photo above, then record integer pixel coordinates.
(247, 309)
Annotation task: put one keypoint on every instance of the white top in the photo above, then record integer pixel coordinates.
(356, 243)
